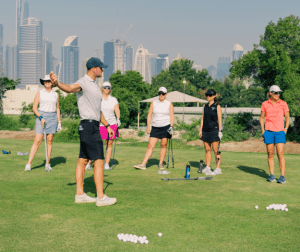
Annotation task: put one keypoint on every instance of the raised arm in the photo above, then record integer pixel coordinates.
(74, 88)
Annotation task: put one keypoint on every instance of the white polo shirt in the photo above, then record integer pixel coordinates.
(48, 101)
(108, 109)
(161, 113)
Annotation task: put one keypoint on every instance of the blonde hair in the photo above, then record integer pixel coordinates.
(102, 89)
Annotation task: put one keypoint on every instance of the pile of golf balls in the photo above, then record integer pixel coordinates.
(133, 238)
(282, 207)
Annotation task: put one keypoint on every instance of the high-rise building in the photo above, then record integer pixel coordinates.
(47, 57)
(223, 67)
(142, 63)
(118, 55)
(237, 52)
(11, 57)
(1, 49)
(162, 63)
(69, 60)
(21, 15)
(30, 51)
(212, 70)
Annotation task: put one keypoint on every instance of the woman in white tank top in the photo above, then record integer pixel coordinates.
(48, 116)
(162, 127)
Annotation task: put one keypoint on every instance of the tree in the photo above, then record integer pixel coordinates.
(68, 105)
(5, 85)
(276, 60)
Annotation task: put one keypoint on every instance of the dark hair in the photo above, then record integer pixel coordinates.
(216, 99)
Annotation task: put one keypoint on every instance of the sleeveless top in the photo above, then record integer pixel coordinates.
(161, 113)
(210, 120)
(108, 109)
(48, 101)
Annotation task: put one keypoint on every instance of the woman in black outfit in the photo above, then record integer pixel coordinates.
(211, 130)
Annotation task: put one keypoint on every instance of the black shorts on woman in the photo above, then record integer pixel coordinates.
(210, 128)
(160, 132)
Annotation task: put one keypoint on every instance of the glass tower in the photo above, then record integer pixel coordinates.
(11, 56)
(223, 67)
(1, 49)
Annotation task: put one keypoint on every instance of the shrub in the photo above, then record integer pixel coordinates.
(141, 133)
(8, 123)
(69, 131)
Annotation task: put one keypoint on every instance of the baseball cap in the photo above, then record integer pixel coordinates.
(95, 62)
(210, 92)
(163, 89)
(275, 88)
(106, 84)
(46, 78)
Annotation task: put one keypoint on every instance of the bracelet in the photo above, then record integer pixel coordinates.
(59, 121)
(107, 125)
(40, 117)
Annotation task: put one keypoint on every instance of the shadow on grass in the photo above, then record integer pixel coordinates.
(195, 164)
(53, 162)
(89, 185)
(113, 165)
(253, 170)
(153, 161)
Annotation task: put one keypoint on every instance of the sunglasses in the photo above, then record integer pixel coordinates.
(276, 93)
(106, 88)
(209, 95)
(161, 93)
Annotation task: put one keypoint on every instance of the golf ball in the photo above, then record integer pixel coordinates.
(267, 208)
(159, 234)
(256, 207)
(286, 209)
(146, 242)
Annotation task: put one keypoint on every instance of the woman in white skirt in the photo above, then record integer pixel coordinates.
(162, 127)
(47, 115)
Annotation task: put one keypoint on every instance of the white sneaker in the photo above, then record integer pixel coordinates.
(140, 166)
(217, 171)
(28, 167)
(48, 168)
(206, 169)
(105, 201)
(88, 167)
(106, 167)
(210, 173)
(84, 199)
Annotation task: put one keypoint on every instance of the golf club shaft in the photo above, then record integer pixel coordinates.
(196, 178)
(46, 147)
(218, 152)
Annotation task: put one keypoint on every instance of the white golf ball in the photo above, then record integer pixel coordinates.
(146, 242)
(135, 241)
(145, 237)
(159, 234)
(267, 208)
(256, 207)
(142, 242)
(286, 209)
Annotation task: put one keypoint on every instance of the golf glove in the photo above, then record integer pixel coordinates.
(170, 130)
(118, 122)
(59, 127)
(220, 135)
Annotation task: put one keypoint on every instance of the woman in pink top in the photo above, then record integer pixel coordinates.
(274, 132)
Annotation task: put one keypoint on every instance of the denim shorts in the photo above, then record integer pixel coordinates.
(274, 137)
(51, 125)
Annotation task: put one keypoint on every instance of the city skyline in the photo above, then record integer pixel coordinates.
(201, 32)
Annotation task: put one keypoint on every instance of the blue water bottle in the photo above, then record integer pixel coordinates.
(187, 171)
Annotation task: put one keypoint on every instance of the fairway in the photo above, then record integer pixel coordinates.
(38, 212)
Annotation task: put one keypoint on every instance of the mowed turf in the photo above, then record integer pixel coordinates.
(38, 213)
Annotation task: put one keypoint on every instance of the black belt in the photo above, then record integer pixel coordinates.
(89, 120)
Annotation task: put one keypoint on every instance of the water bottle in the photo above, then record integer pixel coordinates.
(187, 171)
(163, 172)
(200, 166)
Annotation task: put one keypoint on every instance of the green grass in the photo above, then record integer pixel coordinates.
(38, 212)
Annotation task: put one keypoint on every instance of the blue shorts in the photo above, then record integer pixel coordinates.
(274, 137)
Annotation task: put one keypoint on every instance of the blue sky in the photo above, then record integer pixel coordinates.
(201, 31)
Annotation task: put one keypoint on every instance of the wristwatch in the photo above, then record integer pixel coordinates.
(107, 125)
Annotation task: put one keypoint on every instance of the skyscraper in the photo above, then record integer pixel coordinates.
(11, 57)
(237, 52)
(47, 57)
(142, 63)
(163, 62)
(118, 55)
(212, 70)
(22, 14)
(223, 67)
(30, 51)
(1, 49)
(69, 60)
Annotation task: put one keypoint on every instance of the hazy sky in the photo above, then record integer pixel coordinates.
(201, 31)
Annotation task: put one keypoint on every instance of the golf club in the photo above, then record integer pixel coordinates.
(112, 163)
(46, 148)
(196, 178)
(219, 152)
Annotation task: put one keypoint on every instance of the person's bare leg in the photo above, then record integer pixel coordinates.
(215, 146)
(163, 149)
(35, 146)
(98, 177)
(207, 153)
(151, 145)
(281, 159)
(49, 145)
(79, 174)
(109, 151)
(270, 150)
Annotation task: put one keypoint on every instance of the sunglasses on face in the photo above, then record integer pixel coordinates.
(161, 93)
(106, 88)
(209, 95)
(276, 93)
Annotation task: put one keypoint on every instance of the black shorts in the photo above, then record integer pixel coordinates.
(210, 136)
(160, 132)
(91, 146)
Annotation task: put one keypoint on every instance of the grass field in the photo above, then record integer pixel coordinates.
(38, 212)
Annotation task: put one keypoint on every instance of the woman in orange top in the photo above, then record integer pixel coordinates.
(272, 125)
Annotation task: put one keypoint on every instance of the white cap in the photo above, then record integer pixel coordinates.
(46, 78)
(106, 84)
(163, 89)
(275, 88)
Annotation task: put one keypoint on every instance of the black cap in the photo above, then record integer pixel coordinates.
(210, 92)
(95, 62)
